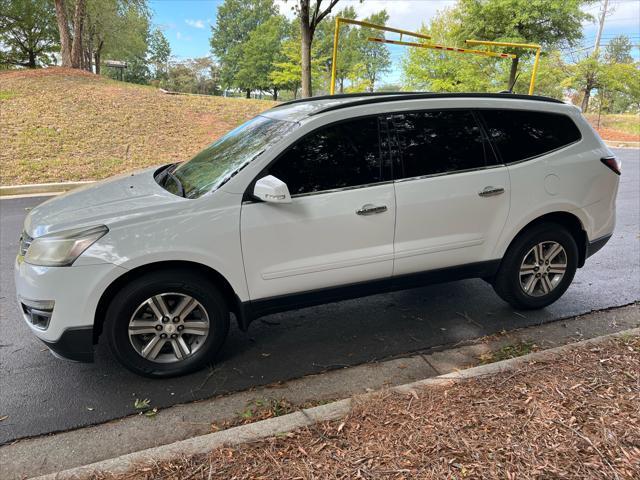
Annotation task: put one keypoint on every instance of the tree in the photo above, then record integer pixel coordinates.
(374, 58)
(159, 54)
(549, 23)
(65, 35)
(196, 75)
(100, 27)
(350, 51)
(310, 17)
(435, 70)
(618, 50)
(235, 20)
(260, 53)
(287, 71)
(28, 33)
(613, 74)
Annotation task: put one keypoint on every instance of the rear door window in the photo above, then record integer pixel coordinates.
(522, 134)
(439, 141)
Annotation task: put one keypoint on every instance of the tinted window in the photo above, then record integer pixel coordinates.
(434, 142)
(521, 134)
(341, 155)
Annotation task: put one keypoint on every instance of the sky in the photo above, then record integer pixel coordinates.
(187, 23)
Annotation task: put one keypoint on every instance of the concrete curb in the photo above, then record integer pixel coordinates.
(35, 188)
(286, 423)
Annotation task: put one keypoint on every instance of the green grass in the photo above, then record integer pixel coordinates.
(63, 125)
(6, 95)
(624, 123)
(508, 351)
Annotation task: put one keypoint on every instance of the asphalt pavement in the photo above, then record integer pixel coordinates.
(41, 394)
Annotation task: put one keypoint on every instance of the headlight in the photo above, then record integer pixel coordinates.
(62, 248)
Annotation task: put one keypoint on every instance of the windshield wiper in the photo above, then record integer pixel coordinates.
(177, 181)
(168, 172)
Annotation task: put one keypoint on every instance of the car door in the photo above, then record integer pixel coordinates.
(339, 227)
(452, 195)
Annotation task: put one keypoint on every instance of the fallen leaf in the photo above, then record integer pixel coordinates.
(140, 404)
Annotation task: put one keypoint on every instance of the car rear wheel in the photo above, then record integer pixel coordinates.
(167, 323)
(538, 267)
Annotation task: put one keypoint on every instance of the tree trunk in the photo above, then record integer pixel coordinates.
(585, 99)
(307, 38)
(65, 37)
(32, 59)
(275, 94)
(87, 57)
(248, 93)
(78, 23)
(512, 74)
(96, 56)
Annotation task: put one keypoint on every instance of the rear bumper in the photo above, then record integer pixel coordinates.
(595, 245)
(74, 344)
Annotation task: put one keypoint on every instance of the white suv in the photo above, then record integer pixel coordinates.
(316, 201)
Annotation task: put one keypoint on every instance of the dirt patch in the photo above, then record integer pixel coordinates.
(617, 135)
(621, 128)
(576, 416)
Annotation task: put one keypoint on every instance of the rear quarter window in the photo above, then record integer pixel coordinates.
(523, 134)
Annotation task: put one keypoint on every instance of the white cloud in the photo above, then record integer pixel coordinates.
(194, 23)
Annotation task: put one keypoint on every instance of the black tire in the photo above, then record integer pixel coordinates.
(179, 281)
(507, 281)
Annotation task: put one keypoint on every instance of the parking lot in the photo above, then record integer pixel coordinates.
(42, 394)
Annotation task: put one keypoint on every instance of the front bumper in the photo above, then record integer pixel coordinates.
(74, 293)
(74, 344)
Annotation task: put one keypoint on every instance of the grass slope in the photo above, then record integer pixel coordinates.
(62, 125)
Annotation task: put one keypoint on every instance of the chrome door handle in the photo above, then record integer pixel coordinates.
(491, 191)
(371, 209)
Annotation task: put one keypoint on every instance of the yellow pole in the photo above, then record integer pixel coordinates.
(334, 58)
(530, 46)
(436, 46)
(385, 28)
(339, 20)
(503, 44)
(534, 71)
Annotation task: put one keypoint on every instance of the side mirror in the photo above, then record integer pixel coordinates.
(271, 189)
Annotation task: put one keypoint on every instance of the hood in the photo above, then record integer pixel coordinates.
(102, 203)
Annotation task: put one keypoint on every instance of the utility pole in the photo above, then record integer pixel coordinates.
(596, 49)
(603, 14)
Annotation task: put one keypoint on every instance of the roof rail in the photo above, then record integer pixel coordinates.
(420, 96)
(344, 95)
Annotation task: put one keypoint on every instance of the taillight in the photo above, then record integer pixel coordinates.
(612, 163)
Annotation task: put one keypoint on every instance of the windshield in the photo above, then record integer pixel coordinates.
(217, 163)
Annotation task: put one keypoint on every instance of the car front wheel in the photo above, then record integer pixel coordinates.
(167, 324)
(538, 267)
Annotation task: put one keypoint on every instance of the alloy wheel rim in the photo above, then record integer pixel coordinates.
(543, 268)
(168, 328)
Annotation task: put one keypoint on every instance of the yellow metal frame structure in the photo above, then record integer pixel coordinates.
(527, 46)
(349, 21)
(340, 20)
